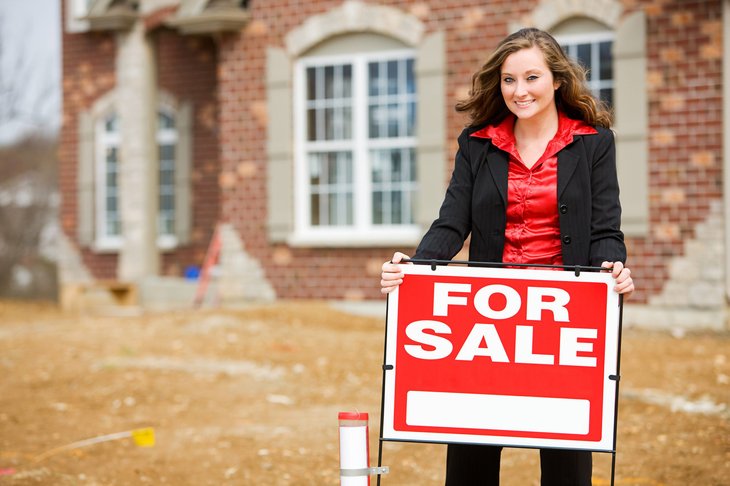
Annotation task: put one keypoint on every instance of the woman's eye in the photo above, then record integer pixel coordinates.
(531, 78)
(507, 80)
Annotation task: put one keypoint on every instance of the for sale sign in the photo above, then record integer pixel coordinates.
(515, 357)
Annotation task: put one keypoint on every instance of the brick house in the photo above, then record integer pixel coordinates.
(318, 136)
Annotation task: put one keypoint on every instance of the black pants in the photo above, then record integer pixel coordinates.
(478, 465)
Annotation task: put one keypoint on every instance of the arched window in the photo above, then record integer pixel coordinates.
(356, 139)
(593, 51)
(99, 174)
(613, 45)
(108, 215)
(166, 141)
(364, 156)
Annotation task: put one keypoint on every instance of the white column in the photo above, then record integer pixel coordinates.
(138, 178)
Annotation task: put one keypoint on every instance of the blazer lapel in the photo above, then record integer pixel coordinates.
(567, 162)
(498, 163)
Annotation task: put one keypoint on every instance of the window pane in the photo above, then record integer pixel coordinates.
(396, 166)
(331, 188)
(394, 185)
(396, 207)
(607, 96)
(377, 207)
(329, 103)
(329, 124)
(311, 124)
(606, 57)
(373, 79)
(392, 77)
(393, 116)
(347, 123)
(314, 213)
(347, 81)
(111, 199)
(374, 119)
(315, 168)
(165, 225)
(410, 77)
(166, 176)
(167, 152)
(392, 110)
(329, 77)
(165, 121)
(411, 123)
(111, 125)
(584, 57)
(378, 166)
(311, 83)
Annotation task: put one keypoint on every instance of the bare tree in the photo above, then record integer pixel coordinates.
(28, 178)
(27, 91)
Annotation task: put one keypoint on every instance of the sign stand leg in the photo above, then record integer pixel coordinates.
(382, 391)
(618, 380)
(613, 467)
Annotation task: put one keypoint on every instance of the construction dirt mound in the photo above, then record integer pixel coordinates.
(251, 397)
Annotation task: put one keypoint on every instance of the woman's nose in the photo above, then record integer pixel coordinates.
(520, 88)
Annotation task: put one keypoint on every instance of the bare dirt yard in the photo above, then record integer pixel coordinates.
(251, 397)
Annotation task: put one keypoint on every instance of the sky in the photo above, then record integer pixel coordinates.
(30, 66)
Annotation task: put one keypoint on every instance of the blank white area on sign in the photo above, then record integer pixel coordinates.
(498, 412)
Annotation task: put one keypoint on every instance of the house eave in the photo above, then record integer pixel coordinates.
(208, 23)
(112, 21)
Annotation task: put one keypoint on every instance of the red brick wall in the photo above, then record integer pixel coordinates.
(685, 125)
(87, 75)
(187, 69)
(472, 29)
(685, 118)
(684, 77)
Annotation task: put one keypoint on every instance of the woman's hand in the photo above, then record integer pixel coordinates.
(624, 282)
(392, 277)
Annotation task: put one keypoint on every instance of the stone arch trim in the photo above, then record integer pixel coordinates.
(354, 16)
(550, 13)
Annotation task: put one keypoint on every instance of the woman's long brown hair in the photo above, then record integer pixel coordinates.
(485, 104)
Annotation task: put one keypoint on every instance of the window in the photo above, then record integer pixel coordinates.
(595, 52)
(166, 141)
(356, 147)
(109, 223)
(108, 213)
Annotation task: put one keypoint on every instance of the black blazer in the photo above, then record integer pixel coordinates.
(476, 202)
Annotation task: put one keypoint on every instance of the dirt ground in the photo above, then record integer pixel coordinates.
(251, 397)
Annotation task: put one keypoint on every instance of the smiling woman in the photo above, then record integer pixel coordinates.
(534, 182)
(528, 89)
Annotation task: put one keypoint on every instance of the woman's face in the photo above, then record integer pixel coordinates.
(527, 84)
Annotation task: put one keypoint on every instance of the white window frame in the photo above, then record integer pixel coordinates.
(362, 232)
(168, 136)
(594, 39)
(104, 141)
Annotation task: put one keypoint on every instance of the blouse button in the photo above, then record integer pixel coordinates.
(563, 209)
(566, 239)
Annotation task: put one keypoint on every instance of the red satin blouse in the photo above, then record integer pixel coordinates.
(532, 233)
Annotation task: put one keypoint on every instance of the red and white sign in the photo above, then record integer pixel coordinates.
(515, 357)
